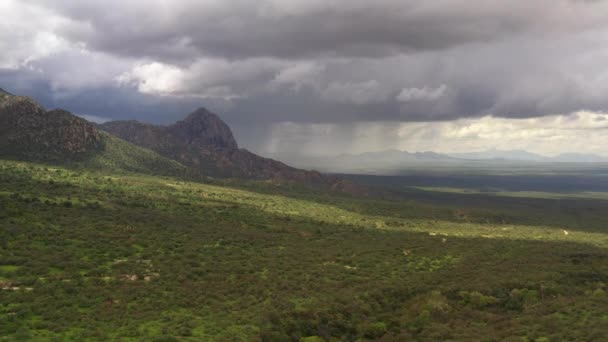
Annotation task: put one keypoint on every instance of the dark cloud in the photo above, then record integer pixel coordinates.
(102, 102)
(344, 63)
(311, 28)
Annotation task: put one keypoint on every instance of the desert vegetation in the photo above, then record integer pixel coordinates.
(90, 255)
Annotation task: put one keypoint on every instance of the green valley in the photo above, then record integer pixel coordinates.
(303, 171)
(101, 255)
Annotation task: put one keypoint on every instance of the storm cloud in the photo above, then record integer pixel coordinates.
(170, 30)
(309, 63)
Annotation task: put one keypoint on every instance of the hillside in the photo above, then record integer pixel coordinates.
(4, 93)
(204, 142)
(31, 133)
(119, 155)
(89, 255)
(197, 147)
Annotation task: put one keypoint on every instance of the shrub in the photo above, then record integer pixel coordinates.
(477, 299)
(375, 330)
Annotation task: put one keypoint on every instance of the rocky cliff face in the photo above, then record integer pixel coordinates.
(205, 142)
(28, 131)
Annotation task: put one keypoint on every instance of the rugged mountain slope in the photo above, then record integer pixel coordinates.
(29, 132)
(4, 92)
(201, 144)
(203, 141)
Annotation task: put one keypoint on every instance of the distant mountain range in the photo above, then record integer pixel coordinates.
(494, 154)
(393, 161)
(201, 145)
(521, 155)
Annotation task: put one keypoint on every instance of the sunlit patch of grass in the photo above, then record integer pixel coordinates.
(8, 269)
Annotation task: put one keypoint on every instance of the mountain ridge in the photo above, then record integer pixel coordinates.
(495, 154)
(29, 132)
(199, 146)
(203, 141)
(393, 161)
(491, 154)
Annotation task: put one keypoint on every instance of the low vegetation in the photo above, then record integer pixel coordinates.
(103, 255)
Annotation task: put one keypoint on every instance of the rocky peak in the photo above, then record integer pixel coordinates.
(203, 128)
(200, 114)
(204, 142)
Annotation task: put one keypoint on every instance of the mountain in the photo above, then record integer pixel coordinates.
(4, 93)
(392, 162)
(520, 155)
(580, 158)
(201, 145)
(494, 154)
(31, 133)
(203, 141)
(380, 162)
(28, 131)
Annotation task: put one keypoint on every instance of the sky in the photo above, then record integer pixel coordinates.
(326, 77)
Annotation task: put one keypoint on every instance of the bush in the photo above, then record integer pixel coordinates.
(165, 338)
(375, 330)
(518, 298)
(476, 299)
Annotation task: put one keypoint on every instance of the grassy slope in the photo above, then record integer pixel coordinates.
(102, 256)
(113, 155)
(119, 155)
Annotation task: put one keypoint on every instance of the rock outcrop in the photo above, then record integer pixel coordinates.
(203, 128)
(29, 132)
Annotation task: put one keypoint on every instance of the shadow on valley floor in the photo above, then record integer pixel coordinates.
(579, 214)
(532, 180)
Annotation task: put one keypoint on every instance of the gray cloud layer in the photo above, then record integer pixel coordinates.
(312, 28)
(309, 61)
